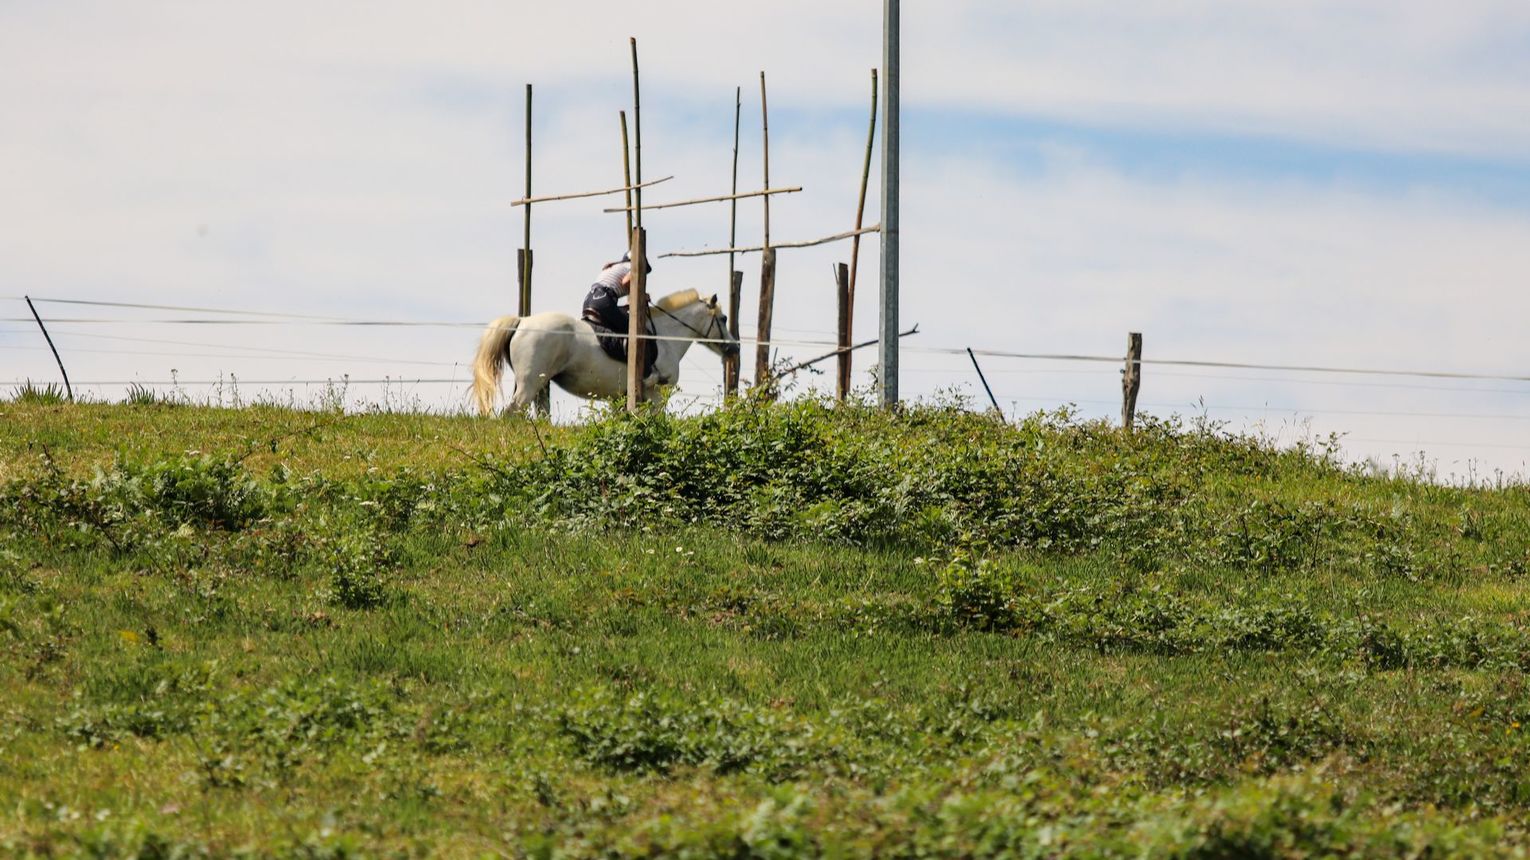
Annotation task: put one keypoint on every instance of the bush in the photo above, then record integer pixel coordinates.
(652, 732)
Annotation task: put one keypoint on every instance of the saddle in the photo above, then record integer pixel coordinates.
(614, 344)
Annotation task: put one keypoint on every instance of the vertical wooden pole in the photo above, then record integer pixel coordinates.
(637, 304)
(525, 255)
(1131, 379)
(522, 272)
(842, 286)
(888, 352)
(527, 259)
(637, 297)
(855, 243)
(735, 298)
(731, 364)
(765, 148)
(49, 338)
(637, 144)
(762, 374)
(627, 177)
(767, 259)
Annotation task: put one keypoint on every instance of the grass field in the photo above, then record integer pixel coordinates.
(771, 632)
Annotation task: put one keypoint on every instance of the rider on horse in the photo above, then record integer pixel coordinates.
(602, 311)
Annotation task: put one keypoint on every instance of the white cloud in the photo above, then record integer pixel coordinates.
(1406, 75)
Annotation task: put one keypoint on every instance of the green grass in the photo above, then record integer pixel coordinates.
(772, 632)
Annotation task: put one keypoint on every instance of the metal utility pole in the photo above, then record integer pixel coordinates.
(889, 292)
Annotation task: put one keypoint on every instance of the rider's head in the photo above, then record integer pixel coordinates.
(647, 266)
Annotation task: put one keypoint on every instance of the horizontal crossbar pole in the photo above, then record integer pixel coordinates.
(723, 199)
(525, 200)
(837, 237)
(841, 351)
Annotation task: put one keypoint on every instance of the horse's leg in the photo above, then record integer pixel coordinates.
(528, 389)
(521, 398)
(533, 358)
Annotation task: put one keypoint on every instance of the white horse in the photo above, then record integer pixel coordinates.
(554, 347)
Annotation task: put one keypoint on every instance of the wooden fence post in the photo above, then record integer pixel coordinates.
(762, 374)
(523, 258)
(732, 364)
(1131, 379)
(842, 288)
(637, 317)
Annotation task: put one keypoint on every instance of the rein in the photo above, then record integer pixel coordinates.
(703, 335)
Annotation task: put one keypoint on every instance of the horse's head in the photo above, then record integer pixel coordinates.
(728, 348)
(703, 318)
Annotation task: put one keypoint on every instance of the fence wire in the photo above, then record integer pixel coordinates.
(1362, 377)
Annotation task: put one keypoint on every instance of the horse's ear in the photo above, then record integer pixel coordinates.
(712, 302)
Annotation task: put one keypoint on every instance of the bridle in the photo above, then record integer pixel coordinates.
(718, 322)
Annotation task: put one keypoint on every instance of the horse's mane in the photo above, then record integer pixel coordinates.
(676, 301)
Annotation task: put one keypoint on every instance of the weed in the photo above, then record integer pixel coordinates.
(32, 394)
(358, 565)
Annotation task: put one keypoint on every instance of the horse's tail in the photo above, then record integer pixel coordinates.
(493, 353)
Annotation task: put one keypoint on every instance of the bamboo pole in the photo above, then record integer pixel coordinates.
(855, 246)
(828, 355)
(637, 297)
(721, 198)
(768, 260)
(765, 148)
(837, 237)
(627, 175)
(583, 194)
(637, 140)
(735, 278)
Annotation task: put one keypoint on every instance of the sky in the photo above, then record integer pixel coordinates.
(1341, 184)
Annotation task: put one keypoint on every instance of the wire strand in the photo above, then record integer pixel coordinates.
(278, 318)
(260, 349)
(235, 380)
(191, 309)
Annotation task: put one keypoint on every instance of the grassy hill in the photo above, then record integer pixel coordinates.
(775, 631)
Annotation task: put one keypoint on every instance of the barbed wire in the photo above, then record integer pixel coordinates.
(236, 380)
(187, 308)
(281, 318)
(711, 380)
(257, 357)
(825, 344)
